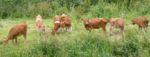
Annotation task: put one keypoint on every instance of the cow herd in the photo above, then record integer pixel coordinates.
(63, 23)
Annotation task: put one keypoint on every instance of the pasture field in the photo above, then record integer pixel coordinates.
(78, 43)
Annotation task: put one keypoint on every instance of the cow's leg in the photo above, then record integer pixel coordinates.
(25, 35)
(144, 32)
(104, 29)
(69, 29)
(111, 27)
(13, 41)
(16, 40)
(66, 29)
(140, 29)
(145, 29)
(89, 30)
(53, 32)
(62, 29)
(122, 31)
(58, 30)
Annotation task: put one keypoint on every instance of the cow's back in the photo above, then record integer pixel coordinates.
(17, 30)
(95, 23)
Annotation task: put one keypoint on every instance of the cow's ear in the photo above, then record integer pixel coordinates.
(62, 17)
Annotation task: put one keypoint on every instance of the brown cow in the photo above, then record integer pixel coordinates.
(65, 22)
(15, 31)
(141, 21)
(61, 22)
(56, 24)
(95, 23)
(39, 24)
(117, 23)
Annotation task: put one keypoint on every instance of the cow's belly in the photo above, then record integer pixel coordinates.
(96, 27)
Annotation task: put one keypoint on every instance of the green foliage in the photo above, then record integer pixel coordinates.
(79, 43)
(90, 8)
(129, 47)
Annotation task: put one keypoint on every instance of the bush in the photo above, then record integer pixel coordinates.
(49, 8)
(129, 47)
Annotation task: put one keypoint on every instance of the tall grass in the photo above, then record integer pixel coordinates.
(79, 43)
(87, 8)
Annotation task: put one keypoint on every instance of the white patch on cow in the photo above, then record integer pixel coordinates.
(70, 29)
(63, 15)
(57, 22)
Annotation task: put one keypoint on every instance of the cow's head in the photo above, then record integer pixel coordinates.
(38, 16)
(85, 21)
(133, 22)
(56, 18)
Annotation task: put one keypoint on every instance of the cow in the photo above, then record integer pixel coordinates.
(141, 21)
(61, 23)
(65, 22)
(39, 24)
(15, 31)
(116, 23)
(56, 23)
(95, 23)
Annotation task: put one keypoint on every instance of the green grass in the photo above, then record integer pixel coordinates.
(78, 43)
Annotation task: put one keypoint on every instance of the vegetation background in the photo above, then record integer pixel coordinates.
(77, 8)
(79, 43)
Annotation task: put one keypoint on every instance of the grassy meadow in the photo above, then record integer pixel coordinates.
(79, 42)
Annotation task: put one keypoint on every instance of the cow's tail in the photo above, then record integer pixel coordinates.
(147, 22)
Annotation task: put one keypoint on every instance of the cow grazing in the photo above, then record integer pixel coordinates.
(65, 22)
(56, 24)
(39, 24)
(141, 21)
(15, 31)
(95, 23)
(61, 22)
(116, 23)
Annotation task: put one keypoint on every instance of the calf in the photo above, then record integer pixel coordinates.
(65, 22)
(39, 24)
(56, 24)
(15, 31)
(95, 23)
(117, 23)
(141, 21)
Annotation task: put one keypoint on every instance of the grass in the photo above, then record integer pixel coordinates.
(78, 43)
